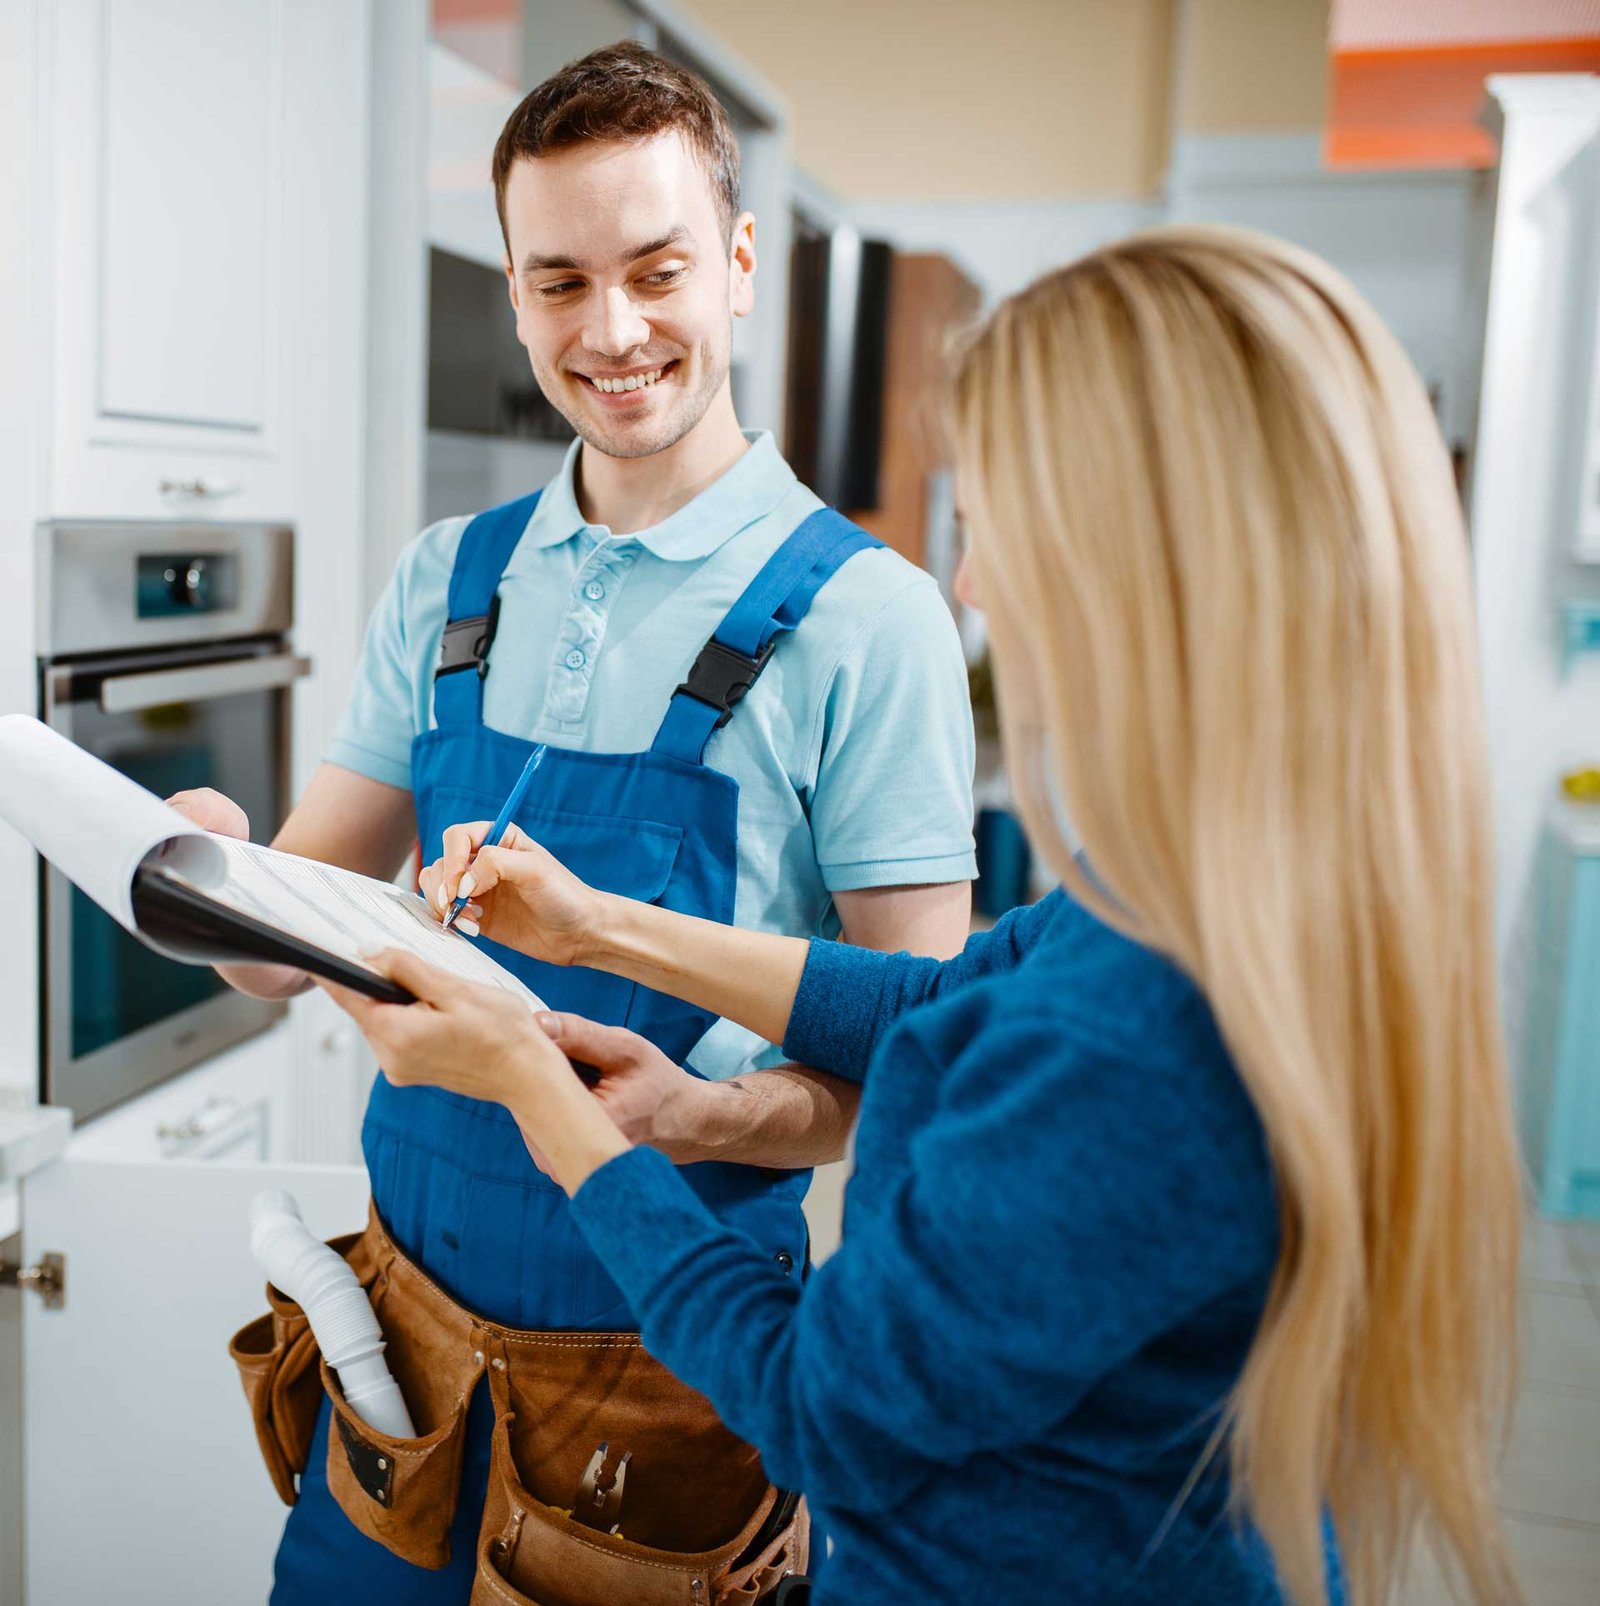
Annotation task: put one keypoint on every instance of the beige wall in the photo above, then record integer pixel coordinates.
(965, 99)
(1252, 66)
(947, 100)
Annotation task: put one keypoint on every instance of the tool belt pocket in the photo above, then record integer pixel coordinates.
(534, 1554)
(399, 1492)
(277, 1359)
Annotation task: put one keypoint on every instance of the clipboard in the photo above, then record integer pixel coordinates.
(207, 900)
(185, 923)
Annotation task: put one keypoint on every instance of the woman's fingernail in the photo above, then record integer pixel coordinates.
(465, 885)
(468, 926)
(440, 898)
(550, 1025)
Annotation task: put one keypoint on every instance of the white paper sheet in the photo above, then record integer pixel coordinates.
(94, 824)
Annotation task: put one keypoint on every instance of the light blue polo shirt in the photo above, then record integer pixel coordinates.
(853, 751)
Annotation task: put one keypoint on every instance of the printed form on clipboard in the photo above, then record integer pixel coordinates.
(334, 911)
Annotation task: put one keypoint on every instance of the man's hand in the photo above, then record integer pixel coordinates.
(787, 1118)
(522, 896)
(211, 811)
(651, 1099)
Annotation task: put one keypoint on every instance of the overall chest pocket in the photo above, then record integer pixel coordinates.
(631, 858)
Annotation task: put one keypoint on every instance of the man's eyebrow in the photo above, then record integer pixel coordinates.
(535, 263)
(676, 235)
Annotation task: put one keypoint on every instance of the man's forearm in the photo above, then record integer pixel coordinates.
(790, 1117)
(932, 921)
(265, 981)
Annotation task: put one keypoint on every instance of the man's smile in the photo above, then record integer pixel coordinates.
(625, 381)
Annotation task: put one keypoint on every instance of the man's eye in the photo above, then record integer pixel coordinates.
(664, 276)
(565, 287)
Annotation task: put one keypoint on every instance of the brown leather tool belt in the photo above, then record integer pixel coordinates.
(611, 1482)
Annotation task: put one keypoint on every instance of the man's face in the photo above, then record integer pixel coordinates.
(625, 288)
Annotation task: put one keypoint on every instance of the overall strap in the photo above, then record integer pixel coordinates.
(774, 602)
(473, 610)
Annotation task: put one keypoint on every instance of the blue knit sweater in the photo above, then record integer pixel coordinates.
(1057, 1248)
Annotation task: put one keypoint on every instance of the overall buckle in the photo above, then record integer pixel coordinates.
(466, 642)
(722, 675)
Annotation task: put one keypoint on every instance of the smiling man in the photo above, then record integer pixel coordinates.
(750, 712)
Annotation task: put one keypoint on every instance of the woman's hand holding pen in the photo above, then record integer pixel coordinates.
(521, 895)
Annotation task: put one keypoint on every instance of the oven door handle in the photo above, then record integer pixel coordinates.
(126, 694)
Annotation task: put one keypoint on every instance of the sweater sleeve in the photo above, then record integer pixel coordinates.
(1042, 1235)
(848, 997)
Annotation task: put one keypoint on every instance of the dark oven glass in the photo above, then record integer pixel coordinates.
(120, 1017)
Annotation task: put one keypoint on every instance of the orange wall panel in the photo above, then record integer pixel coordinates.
(1421, 107)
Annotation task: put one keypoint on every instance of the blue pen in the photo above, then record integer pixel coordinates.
(501, 821)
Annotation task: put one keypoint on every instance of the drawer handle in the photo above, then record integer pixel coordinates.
(210, 1117)
(198, 487)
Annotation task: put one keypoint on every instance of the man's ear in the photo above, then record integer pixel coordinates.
(511, 283)
(742, 266)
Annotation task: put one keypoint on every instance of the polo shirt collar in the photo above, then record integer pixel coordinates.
(748, 490)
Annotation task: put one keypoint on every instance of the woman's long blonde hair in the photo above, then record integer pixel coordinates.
(1215, 530)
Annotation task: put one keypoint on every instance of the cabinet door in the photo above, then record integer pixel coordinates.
(189, 145)
(144, 1483)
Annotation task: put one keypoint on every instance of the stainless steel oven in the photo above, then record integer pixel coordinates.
(163, 650)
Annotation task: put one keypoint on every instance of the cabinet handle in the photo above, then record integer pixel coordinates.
(47, 1278)
(214, 1113)
(198, 487)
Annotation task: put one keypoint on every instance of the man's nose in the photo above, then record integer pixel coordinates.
(615, 326)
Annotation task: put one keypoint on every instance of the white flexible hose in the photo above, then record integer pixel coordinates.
(321, 1282)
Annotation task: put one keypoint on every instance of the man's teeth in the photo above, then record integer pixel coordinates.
(632, 382)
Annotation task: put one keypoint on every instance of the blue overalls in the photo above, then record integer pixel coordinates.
(451, 1176)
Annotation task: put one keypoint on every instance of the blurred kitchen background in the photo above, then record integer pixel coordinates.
(254, 336)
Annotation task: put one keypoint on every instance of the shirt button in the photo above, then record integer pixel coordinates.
(575, 659)
(594, 591)
(785, 1261)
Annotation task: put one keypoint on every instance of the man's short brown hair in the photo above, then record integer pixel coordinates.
(622, 92)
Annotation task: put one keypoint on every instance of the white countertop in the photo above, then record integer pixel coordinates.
(31, 1138)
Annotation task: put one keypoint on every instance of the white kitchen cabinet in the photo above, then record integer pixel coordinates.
(143, 1481)
(184, 277)
(195, 247)
(130, 1375)
(1543, 306)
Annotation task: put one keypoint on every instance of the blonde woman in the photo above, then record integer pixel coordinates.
(1185, 1221)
